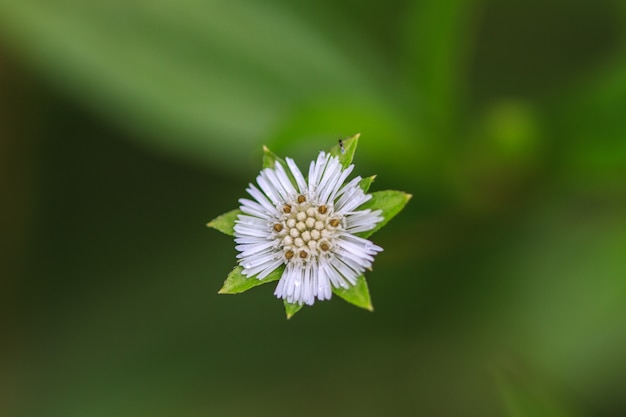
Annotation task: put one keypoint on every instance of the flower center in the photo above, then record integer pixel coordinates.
(306, 230)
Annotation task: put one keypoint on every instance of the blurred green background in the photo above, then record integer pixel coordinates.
(126, 125)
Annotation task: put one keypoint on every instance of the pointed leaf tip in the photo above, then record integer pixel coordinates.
(292, 309)
(358, 294)
(270, 158)
(226, 222)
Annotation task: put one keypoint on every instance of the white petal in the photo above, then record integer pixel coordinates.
(270, 268)
(362, 221)
(249, 239)
(261, 198)
(315, 171)
(333, 186)
(253, 208)
(245, 230)
(282, 176)
(337, 186)
(333, 275)
(268, 188)
(351, 199)
(330, 174)
(324, 291)
(295, 171)
(251, 220)
(259, 263)
(280, 188)
(256, 247)
(346, 273)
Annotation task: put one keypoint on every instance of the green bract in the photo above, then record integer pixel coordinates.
(384, 204)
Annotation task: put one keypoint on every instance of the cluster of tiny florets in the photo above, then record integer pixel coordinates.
(306, 230)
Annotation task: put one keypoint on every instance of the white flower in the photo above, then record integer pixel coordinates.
(307, 225)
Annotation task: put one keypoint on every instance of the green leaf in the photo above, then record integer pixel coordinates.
(292, 309)
(270, 159)
(358, 294)
(236, 282)
(345, 149)
(391, 202)
(366, 182)
(226, 222)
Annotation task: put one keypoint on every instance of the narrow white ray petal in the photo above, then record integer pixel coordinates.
(282, 176)
(366, 244)
(352, 202)
(288, 282)
(330, 174)
(356, 263)
(278, 186)
(347, 195)
(261, 198)
(315, 171)
(247, 225)
(254, 209)
(252, 220)
(307, 295)
(330, 273)
(331, 188)
(337, 185)
(358, 253)
(289, 276)
(324, 291)
(258, 247)
(295, 293)
(362, 221)
(250, 239)
(270, 268)
(254, 266)
(354, 183)
(349, 276)
(267, 187)
(297, 174)
(252, 258)
(241, 230)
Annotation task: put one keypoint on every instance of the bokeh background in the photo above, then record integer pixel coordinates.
(126, 125)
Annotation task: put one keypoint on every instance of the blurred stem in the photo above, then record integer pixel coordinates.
(16, 183)
(439, 40)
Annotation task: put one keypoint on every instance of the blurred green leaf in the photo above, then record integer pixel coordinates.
(236, 282)
(226, 222)
(203, 79)
(357, 294)
(292, 309)
(390, 202)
